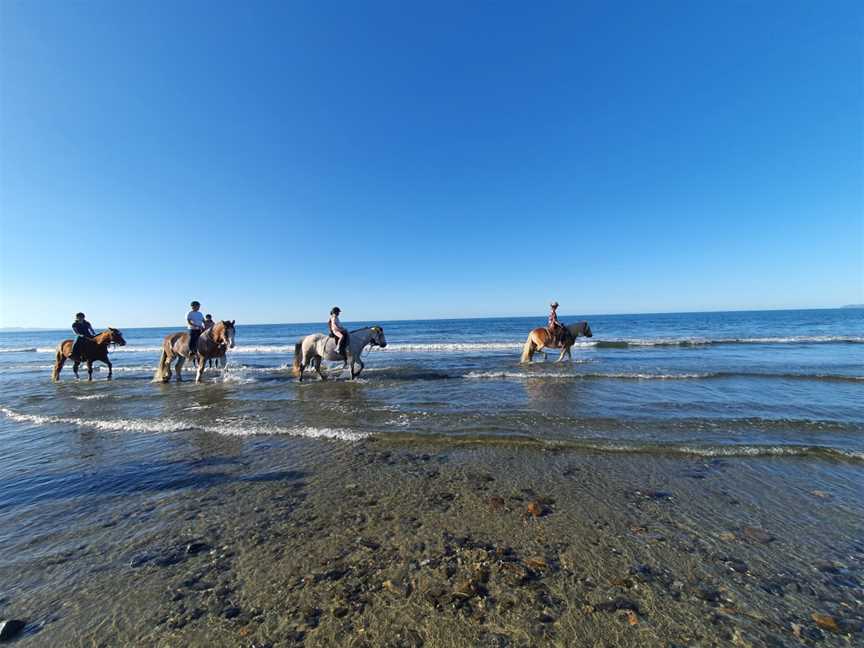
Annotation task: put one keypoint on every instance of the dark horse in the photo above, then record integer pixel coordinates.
(92, 349)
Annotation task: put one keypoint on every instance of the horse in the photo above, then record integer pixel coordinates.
(213, 343)
(541, 338)
(92, 349)
(317, 347)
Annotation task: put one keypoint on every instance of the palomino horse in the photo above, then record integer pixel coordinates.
(541, 338)
(317, 347)
(212, 344)
(92, 349)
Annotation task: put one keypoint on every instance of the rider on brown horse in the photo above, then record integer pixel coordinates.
(82, 328)
(556, 329)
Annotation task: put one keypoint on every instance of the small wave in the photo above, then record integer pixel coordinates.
(695, 342)
(18, 350)
(448, 347)
(618, 447)
(115, 425)
(91, 397)
(156, 425)
(306, 431)
(528, 375)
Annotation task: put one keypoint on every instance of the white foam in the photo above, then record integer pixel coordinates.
(527, 375)
(156, 425)
(309, 432)
(115, 425)
(91, 397)
(449, 347)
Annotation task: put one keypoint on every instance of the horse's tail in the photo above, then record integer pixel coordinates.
(58, 364)
(527, 350)
(298, 352)
(159, 376)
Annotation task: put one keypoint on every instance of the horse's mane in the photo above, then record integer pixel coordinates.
(362, 328)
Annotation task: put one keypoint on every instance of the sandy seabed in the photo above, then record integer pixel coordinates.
(375, 544)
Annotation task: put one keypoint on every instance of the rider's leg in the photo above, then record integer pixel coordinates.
(194, 334)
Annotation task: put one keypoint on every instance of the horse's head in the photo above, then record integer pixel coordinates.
(378, 338)
(225, 333)
(585, 330)
(116, 337)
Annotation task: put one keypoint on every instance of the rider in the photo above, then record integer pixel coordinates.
(195, 324)
(208, 321)
(338, 331)
(81, 327)
(555, 327)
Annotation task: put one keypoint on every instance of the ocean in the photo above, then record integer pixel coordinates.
(736, 419)
(737, 383)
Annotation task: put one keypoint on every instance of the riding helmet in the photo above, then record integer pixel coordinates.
(554, 304)
(335, 310)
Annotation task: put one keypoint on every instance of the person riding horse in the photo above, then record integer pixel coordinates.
(555, 327)
(338, 332)
(82, 328)
(195, 324)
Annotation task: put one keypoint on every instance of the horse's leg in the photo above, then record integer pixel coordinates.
(90, 370)
(360, 370)
(317, 363)
(58, 366)
(110, 368)
(202, 365)
(178, 368)
(75, 369)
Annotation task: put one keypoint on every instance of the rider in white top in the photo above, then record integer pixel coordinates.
(195, 324)
(338, 331)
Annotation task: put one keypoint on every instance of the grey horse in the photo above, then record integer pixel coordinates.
(314, 348)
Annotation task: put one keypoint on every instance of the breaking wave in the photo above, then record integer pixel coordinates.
(528, 375)
(566, 375)
(155, 425)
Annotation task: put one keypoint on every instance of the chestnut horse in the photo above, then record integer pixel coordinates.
(212, 344)
(92, 349)
(541, 338)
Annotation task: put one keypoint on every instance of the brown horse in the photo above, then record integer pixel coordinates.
(541, 338)
(92, 349)
(212, 344)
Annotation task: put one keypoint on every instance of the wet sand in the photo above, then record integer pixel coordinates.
(375, 544)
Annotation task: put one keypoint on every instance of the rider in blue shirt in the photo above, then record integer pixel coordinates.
(81, 327)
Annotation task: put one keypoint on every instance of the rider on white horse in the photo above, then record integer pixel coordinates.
(338, 331)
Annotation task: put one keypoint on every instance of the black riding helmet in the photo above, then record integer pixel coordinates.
(335, 310)
(81, 315)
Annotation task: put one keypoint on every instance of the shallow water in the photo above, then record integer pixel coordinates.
(779, 382)
(93, 469)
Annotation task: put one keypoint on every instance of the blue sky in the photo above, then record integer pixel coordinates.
(457, 159)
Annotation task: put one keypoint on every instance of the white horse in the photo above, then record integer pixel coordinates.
(317, 347)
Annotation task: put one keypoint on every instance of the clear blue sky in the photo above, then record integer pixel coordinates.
(454, 159)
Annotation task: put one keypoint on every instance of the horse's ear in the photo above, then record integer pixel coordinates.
(232, 322)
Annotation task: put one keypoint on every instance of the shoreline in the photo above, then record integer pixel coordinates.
(370, 543)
